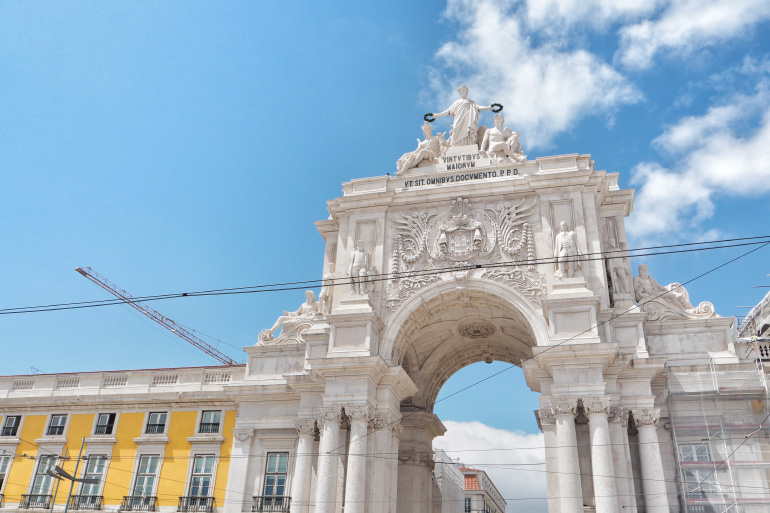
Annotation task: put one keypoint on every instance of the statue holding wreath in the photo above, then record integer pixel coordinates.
(465, 127)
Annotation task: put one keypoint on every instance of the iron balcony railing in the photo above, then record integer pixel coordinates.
(138, 503)
(9, 431)
(155, 429)
(193, 503)
(92, 502)
(271, 504)
(104, 429)
(35, 501)
(209, 427)
(55, 430)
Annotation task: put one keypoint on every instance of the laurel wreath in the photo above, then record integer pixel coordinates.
(429, 117)
(496, 107)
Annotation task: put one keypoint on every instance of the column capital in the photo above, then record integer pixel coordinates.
(564, 406)
(329, 414)
(243, 434)
(305, 426)
(359, 413)
(396, 430)
(544, 417)
(618, 415)
(594, 405)
(646, 417)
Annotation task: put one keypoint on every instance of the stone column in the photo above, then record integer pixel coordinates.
(239, 463)
(616, 421)
(597, 409)
(629, 466)
(547, 424)
(303, 469)
(355, 486)
(382, 463)
(328, 460)
(392, 504)
(653, 480)
(564, 410)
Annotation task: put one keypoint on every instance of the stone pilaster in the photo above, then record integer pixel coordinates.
(617, 418)
(328, 459)
(355, 486)
(239, 461)
(303, 469)
(546, 421)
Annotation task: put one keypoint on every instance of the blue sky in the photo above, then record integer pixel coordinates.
(178, 146)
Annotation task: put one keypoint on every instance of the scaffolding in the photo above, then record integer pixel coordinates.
(719, 423)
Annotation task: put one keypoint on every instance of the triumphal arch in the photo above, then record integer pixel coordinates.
(470, 251)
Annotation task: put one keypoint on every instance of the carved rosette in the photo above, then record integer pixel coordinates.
(243, 434)
(646, 417)
(544, 417)
(594, 405)
(618, 415)
(305, 426)
(564, 406)
(461, 236)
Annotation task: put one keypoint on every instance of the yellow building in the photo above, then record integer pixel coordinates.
(150, 439)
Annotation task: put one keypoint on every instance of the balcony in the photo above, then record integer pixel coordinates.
(35, 501)
(155, 429)
(271, 504)
(138, 503)
(93, 502)
(194, 503)
(208, 427)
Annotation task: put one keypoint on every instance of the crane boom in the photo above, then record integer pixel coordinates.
(167, 323)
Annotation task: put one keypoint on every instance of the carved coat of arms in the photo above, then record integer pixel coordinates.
(463, 236)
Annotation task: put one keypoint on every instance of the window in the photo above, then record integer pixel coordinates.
(275, 478)
(104, 424)
(94, 470)
(200, 483)
(5, 461)
(698, 482)
(156, 423)
(467, 505)
(210, 422)
(11, 426)
(145, 475)
(42, 481)
(56, 425)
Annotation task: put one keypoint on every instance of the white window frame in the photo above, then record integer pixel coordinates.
(147, 421)
(139, 456)
(35, 473)
(287, 489)
(10, 458)
(199, 421)
(114, 424)
(18, 427)
(67, 418)
(191, 470)
(84, 472)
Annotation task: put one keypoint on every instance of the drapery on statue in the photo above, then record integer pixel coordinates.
(294, 323)
(502, 142)
(465, 112)
(359, 268)
(326, 296)
(428, 149)
(565, 251)
(669, 302)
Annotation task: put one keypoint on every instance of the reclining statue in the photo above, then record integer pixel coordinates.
(669, 302)
(293, 324)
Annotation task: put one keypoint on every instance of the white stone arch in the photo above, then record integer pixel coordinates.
(392, 349)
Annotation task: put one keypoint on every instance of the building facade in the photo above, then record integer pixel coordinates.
(469, 253)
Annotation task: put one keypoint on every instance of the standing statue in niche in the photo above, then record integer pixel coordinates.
(326, 296)
(428, 149)
(293, 324)
(502, 142)
(669, 302)
(619, 273)
(465, 112)
(566, 252)
(359, 268)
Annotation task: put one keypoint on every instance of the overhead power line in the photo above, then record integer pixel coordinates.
(296, 285)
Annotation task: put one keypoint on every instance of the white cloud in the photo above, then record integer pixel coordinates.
(515, 473)
(687, 25)
(544, 89)
(715, 155)
(598, 13)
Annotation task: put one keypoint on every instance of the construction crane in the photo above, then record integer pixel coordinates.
(167, 323)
